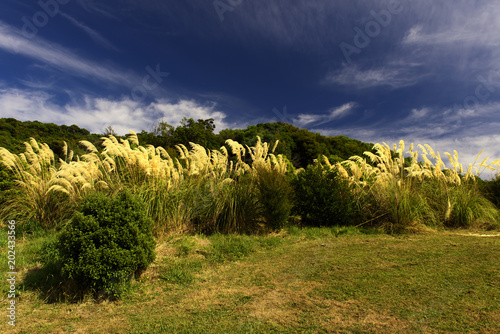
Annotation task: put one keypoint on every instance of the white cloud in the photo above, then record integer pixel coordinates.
(95, 114)
(173, 113)
(341, 111)
(419, 113)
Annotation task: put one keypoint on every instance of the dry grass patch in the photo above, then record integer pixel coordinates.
(431, 283)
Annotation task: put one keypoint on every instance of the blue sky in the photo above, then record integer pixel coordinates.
(425, 71)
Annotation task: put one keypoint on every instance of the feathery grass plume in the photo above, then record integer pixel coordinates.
(150, 171)
(406, 191)
(231, 194)
(34, 197)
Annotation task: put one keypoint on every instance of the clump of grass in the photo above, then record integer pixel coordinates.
(34, 197)
(404, 193)
(227, 207)
(184, 246)
(193, 254)
(275, 195)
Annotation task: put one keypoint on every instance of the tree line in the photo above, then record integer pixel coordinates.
(300, 146)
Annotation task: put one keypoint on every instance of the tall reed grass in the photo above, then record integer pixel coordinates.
(417, 191)
(207, 186)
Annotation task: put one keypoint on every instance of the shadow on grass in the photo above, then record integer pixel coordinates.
(51, 286)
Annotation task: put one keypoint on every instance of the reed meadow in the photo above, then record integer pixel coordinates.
(132, 238)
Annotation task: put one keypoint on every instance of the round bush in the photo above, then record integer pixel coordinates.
(107, 241)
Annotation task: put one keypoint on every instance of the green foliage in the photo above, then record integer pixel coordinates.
(6, 182)
(322, 198)
(275, 194)
(200, 132)
(300, 146)
(491, 189)
(14, 133)
(107, 242)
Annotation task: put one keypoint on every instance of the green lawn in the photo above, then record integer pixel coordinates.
(297, 281)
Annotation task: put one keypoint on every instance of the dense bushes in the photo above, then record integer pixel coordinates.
(275, 194)
(492, 190)
(322, 198)
(106, 242)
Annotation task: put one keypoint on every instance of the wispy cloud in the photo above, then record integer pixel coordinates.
(391, 76)
(59, 57)
(419, 113)
(463, 33)
(464, 23)
(93, 34)
(307, 120)
(92, 7)
(35, 83)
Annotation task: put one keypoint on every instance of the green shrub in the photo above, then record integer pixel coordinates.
(322, 198)
(107, 242)
(275, 194)
(492, 191)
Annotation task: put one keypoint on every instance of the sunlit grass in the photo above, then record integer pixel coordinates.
(337, 279)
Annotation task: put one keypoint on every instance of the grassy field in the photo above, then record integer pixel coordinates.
(298, 281)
